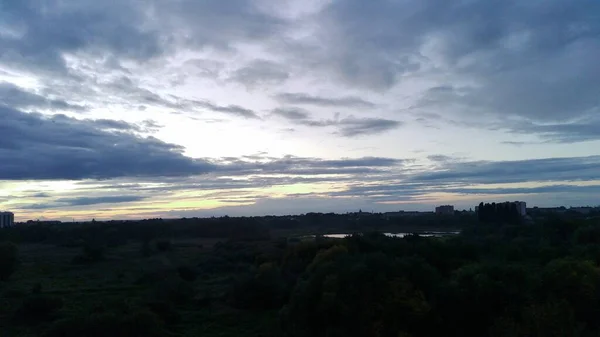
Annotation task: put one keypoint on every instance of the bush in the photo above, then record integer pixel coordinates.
(187, 273)
(8, 260)
(165, 310)
(266, 289)
(173, 290)
(163, 245)
(139, 323)
(38, 308)
(91, 253)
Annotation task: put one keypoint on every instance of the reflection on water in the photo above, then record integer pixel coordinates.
(396, 235)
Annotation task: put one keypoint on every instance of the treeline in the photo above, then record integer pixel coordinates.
(500, 281)
(115, 233)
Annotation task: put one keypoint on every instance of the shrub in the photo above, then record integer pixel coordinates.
(173, 290)
(91, 253)
(139, 323)
(163, 245)
(38, 308)
(187, 273)
(8, 260)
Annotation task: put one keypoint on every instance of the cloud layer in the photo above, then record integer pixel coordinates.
(33, 146)
(244, 101)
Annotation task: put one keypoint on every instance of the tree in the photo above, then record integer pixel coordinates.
(8, 260)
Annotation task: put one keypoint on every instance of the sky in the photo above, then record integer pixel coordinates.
(177, 108)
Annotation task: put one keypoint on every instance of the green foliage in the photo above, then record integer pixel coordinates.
(8, 260)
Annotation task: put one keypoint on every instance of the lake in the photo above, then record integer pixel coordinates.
(395, 235)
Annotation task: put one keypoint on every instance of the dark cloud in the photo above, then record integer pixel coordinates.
(529, 190)
(110, 124)
(347, 127)
(352, 126)
(34, 146)
(18, 98)
(260, 73)
(219, 24)
(349, 101)
(291, 166)
(83, 201)
(498, 172)
(43, 34)
(585, 129)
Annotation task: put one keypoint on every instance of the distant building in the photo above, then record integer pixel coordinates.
(521, 207)
(582, 210)
(7, 219)
(445, 209)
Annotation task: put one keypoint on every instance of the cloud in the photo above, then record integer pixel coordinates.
(41, 36)
(18, 98)
(293, 114)
(86, 201)
(347, 127)
(305, 99)
(352, 126)
(584, 129)
(498, 172)
(83, 201)
(260, 73)
(35, 146)
(291, 166)
(234, 110)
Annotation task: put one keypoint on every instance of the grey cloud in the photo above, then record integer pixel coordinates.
(45, 33)
(529, 190)
(82, 201)
(219, 24)
(234, 110)
(307, 166)
(347, 127)
(85, 201)
(260, 73)
(534, 59)
(489, 172)
(586, 129)
(294, 114)
(18, 98)
(352, 126)
(40, 195)
(114, 125)
(34, 146)
(348, 101)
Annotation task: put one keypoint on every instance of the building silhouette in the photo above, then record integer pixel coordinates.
(7, 219)
(445, 209)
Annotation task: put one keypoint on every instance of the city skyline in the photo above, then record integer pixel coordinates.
(129, 110)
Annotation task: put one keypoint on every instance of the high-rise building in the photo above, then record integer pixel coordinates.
(7, 219)
(445, 209)
(521, 207)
